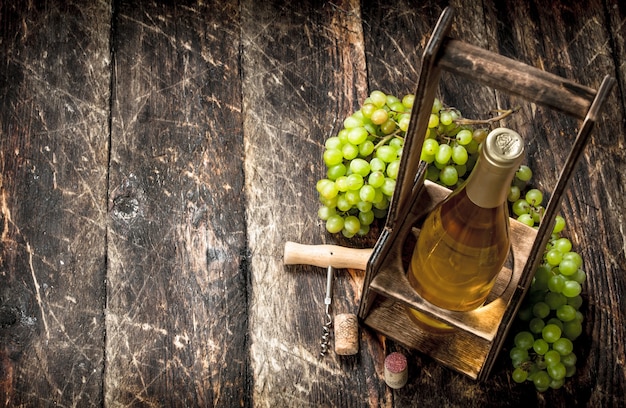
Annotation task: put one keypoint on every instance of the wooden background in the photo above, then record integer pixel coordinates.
(156, 157)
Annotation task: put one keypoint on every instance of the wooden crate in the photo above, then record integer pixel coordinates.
(471, 348)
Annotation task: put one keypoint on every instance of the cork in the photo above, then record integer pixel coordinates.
(346, 334)
(396, 370)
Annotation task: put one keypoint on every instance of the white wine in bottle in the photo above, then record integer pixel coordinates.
(464, 241)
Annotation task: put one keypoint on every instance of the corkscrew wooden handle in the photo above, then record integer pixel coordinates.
(326, 255)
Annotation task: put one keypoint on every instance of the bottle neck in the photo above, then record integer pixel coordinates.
(488, 187)
(500, 156)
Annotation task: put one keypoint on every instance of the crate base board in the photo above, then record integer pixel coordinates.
(459, 350)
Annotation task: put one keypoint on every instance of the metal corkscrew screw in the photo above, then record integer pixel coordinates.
(325, 343)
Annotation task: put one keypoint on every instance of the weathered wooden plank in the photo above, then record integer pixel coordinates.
(304, 72)
(177, 286)
(533, 33)
(573, 41)
(54, 99)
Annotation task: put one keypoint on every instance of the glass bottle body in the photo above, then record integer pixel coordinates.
(464, 241)
(459, 253)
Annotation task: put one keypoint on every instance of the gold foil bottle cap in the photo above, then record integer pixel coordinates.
(503, 148)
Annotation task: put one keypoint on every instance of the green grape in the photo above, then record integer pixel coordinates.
(334, 223)
(342, 183)
(563, 345)
(521, 207)
(357, 135)
(333, 142)
(524, 340)
(393, 168)
(534, 197)
(563, 245)
(555, 300)
(378, 98)
(541, 310)
(352, 121)
(367, 109)
(559, 224)
(542, 380)
(379, 116)
(325, 212)
(333, 157)
(464, 137)
(568, 267)
(404, 121)
(575, 301)
(514, 194)
(449, 176)
(386, 153)
(437, 106)
(445, 118)
(554, 257)
(366, 217)
(524, 173)
(519, 375)
(388, 126)
(536, 325)
(377, 164)
(444, 154)
(554, 320)
(540, 346)
(571, 289)
(388, 187)
(568, 360)
(552, 357)
(366, 148)
(391, 99)
(557, 371)
(551, 333)
(566, 313)
(351, 224)
(556, 283)
(397, 106)
(355, 181)
(433, 121)
(519, 354)
(349, 151)
(360, 166)
(336, 171)
(352, 197)
(364, 230)
(573, 256)
(526, 219)
(572, 329)
(343, 204)
(408, 101)
(367, 193)
(376, 179)
(459, 155)
(430, 147)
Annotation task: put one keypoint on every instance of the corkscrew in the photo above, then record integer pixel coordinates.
(324, 345)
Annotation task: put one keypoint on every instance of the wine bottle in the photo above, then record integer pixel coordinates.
(464, 241)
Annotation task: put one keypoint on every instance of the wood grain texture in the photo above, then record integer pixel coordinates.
(156, 156)
(54, 97)
(296, 95)
(506, 30)
(177, 292)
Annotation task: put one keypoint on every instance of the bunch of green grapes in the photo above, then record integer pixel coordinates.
(543, 350)
(449, 149)
(363, 159)
(362, 163)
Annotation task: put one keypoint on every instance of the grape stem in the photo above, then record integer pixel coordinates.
(387, 138)
(502, 114)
